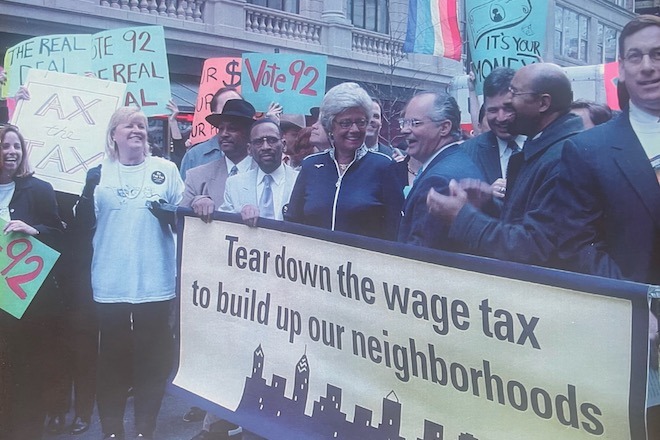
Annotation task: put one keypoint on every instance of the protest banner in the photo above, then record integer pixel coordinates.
(136, 57)
(504, 34)
(611, 78)
(295, 332)
(297, 82)
(216, 74)
(64, 124)
(25, 262)
(69, 53)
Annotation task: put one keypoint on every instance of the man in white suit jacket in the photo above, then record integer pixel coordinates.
(265, 190)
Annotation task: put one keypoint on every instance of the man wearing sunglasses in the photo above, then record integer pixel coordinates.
(265, 190)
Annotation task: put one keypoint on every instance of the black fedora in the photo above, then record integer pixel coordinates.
(235, 108)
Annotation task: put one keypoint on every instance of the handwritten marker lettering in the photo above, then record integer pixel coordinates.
(14, 282)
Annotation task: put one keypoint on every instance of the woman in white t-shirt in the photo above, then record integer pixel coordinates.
(133, 272)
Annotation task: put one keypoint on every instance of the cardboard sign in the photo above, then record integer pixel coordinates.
(25, 262)
(295, 332)
(297, 82)
(136, 57)
(64, 124)
(216, 74)
(504, 34)
(69, 53)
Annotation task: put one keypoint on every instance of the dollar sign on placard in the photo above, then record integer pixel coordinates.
(231, 69)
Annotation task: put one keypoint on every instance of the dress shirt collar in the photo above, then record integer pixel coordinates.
(242, 166)
(277, 175)
(503, 145)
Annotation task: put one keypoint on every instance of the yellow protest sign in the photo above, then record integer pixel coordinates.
(64, 124)
(349, 337)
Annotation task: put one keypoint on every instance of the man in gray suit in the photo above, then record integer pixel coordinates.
(264, 190)
(205, 184)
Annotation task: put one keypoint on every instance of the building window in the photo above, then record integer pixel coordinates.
(571, 34)
(607, 44)
(372, 15)
(282, 5)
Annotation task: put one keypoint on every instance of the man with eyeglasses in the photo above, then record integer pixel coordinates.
(205, 184)
(492, 150)
(265, 190)
(608, 191)
(541, 96)
(431, 128)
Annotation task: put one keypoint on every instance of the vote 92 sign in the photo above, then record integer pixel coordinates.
(297, 82)
(24, 265)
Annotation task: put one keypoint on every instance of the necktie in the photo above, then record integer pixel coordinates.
(513, 146)
(234, 171)
(513, 168)
(266, 208)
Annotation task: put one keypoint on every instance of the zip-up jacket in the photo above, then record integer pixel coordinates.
(365, 200)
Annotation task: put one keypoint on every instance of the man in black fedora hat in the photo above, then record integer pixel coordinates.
(204, 193)
(208, 150)
(205, 184)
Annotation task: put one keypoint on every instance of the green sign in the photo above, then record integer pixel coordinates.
(24, 265)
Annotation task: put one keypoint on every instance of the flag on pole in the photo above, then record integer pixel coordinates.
(433, 28)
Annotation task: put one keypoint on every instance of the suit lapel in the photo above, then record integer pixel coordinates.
(490, 158)
(250, 188)
(221, 170)
(631, 158)
(413, 192)
(216, 185)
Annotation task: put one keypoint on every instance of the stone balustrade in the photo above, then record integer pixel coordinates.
(192, 10)
(282, 24)
(377, 44)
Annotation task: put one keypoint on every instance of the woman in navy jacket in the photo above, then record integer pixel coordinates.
(26, 345)
(347, 188)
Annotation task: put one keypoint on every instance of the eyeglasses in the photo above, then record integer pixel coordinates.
(636, 56)
(348, 123)
(515, 92)
(412, 123)
(270, 140)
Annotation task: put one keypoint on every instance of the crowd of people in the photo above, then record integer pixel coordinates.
(548, 181)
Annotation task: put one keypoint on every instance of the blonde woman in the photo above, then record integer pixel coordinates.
(133, 272)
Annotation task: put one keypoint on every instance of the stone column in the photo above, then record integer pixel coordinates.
(333, 12)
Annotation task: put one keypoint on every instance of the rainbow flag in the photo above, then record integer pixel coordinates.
(433, 28)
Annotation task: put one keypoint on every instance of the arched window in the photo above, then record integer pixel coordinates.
(372, 15)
